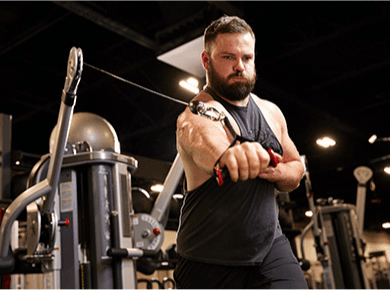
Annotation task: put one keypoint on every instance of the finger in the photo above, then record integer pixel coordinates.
(252, 160)
(278, 155)
(267, 174)
(264, 158)
(229, 161)
(241, 161)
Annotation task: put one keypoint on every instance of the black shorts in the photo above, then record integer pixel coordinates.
(279, 270)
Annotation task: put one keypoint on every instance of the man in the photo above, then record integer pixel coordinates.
(229, 236)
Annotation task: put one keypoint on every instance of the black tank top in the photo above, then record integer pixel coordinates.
(237, 223)
(251, 122)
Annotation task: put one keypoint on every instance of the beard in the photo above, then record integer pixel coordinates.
(236, 91)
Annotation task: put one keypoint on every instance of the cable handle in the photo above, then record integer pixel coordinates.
(213, 114)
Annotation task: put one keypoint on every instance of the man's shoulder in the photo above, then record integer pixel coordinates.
(264, 104)
(272, 113)
(209, 101)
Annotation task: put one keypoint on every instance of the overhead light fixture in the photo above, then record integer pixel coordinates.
(309, 213)
(375, 138)
(190, 84)
(157, 188)
(386, 225)
(387, 170)
(326, 142)
(372, 139)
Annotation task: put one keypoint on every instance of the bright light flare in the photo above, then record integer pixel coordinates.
(386, 225)
(193, 81)
(157, 187)
(190, 84)
(326, 142)
(309, 213)
(372, 139)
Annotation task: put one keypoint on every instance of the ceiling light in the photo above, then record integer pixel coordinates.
(372, 139)
(157, 187)
(193, 81)
(386, 225)
(375, 138)
(178, 196)
(326, 142)
(190, 84)
(387, 169)
(309, 213)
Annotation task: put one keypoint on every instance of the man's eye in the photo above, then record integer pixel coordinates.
(227, 57)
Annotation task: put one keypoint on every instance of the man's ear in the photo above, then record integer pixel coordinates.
(205, 59)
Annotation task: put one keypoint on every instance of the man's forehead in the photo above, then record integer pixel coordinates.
(229, 41)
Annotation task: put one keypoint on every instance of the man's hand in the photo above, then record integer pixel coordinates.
(245, 160)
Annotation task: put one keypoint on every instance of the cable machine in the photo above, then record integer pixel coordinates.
(76, 216)
(337, 230)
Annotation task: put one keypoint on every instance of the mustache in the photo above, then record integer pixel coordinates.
(244, 75)
(238, 74)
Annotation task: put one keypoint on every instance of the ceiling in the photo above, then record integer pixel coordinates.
(325, 64)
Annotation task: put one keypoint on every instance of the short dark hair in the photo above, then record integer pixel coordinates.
(225, 24)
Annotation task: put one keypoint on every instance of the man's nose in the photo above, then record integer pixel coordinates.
(239, 66)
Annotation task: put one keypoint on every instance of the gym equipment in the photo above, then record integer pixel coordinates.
(47, 186)
(98, 131)
(337, 235)
(80, 230)
(381, 270)
(166, 283)
(362, 174)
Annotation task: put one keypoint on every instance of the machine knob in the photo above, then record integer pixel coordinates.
(65, 223)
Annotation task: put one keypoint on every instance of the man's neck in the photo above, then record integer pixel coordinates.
(240, 103)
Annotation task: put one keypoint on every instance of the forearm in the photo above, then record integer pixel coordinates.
(286, 175)
(203, 140)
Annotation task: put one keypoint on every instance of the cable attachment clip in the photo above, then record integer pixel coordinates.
(199, 108)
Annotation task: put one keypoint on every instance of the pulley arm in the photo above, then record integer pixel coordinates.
(49, 185)
(72, 80)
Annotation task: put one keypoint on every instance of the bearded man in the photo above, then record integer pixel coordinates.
(229, 236)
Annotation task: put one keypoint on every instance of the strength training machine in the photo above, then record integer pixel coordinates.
(337, 230)
(75, 222)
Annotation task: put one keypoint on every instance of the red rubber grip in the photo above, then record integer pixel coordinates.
(274, 160)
